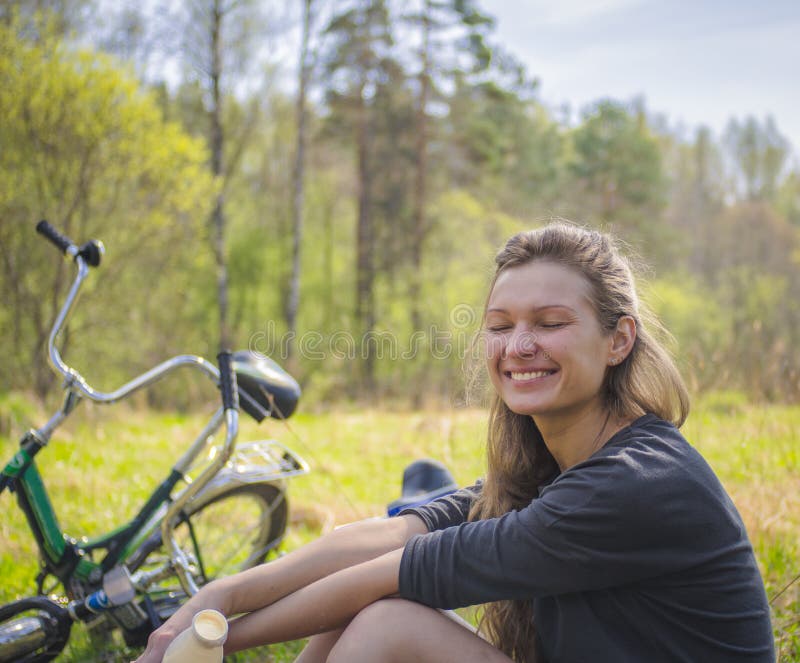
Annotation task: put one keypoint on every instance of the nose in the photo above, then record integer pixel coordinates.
(522, 343)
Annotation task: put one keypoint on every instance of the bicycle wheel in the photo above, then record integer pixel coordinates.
(233, 531)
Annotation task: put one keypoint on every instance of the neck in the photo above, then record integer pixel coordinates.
(574, 440)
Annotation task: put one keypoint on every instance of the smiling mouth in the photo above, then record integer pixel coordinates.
(527, 375)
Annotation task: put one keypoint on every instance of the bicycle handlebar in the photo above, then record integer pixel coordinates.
(89, 255)
(91, 252)
(61, 241)
(227, 381)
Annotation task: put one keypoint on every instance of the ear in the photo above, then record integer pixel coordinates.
(621, 340)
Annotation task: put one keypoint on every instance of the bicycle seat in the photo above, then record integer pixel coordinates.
(269, 390)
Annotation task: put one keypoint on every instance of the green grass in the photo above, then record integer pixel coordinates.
(103, 463)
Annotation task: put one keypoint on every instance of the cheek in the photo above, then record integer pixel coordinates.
(574, 353)
(592, 363)
(555, 346)
(493, 352)
(494, 347)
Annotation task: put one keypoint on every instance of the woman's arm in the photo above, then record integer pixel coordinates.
(265, 584)
(325, 604)
(342, 548)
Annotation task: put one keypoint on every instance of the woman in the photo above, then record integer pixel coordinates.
(598, 533)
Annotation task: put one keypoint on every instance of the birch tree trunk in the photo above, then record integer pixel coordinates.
(217, 147)
(298, 177)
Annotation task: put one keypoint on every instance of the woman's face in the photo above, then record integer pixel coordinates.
(546, 353)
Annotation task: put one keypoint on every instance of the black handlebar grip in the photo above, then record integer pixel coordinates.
(227, 381)
(62, 242)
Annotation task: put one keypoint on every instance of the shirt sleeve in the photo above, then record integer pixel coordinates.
(447, 511)
(614, 519)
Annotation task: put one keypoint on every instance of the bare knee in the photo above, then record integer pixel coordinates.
(396, 630)
(319, 647)
(374, 632)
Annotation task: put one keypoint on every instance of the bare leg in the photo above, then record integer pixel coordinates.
(318, 647)
(396, 630)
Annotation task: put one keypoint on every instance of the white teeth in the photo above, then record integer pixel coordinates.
(529, 376)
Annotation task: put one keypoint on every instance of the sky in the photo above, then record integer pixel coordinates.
(698, 62)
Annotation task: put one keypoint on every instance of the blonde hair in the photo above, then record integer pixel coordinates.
(647, 381)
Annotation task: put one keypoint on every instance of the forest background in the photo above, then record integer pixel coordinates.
(327, 182)
(341, 214)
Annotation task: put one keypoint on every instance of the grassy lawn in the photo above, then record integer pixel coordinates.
(103, 463)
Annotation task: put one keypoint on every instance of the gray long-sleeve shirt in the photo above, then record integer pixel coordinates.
(635, 554)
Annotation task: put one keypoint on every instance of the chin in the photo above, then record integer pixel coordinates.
(525, 409)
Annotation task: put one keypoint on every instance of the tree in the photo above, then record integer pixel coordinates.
(217, 41)
(355, 64)
(617, 166)
(696, 197)
(759, 282)
(216, 13)
(758, 155)
(505, 145)
(451, 38)
(298, 172)
(47, 17)
(86, 148)
(788, 198)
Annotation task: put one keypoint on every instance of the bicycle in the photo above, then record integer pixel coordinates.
(125, 579)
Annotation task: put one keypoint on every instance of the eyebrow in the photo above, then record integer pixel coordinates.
(535, 309)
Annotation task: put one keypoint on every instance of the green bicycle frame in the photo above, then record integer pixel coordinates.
(63, 556)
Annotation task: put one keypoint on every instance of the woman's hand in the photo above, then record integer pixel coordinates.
(323, 605)
(208, 597)
(253, 590)
(161, 638)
